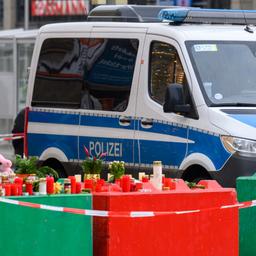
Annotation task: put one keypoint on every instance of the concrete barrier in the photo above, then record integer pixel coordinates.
(35, 232)
(209, 232)
(246, 191)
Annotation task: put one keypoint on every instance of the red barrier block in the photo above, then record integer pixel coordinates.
(209, 232)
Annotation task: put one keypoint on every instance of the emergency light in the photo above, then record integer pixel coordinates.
(208, 16)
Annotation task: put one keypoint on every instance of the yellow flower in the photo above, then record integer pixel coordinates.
(57, 188)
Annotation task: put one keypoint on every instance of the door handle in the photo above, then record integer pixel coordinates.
(147, 122)
(124, 120)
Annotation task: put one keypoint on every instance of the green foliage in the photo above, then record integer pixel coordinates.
(117, 169)
(29, 166)
(194, 185)
(92, 165)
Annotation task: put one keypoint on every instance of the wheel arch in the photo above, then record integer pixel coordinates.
(197, 166)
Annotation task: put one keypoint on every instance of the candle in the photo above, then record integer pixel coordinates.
(14, 189)
(18, 180)
(19, 186)
(145, 178)
(29, 188)
(78, 177)
(7, 189)
(73, 184)
(141, 175)
(98, 187)
(42, 186)
(126, 183)
(139, 186)
(167, 182)
(78, 187)
(157, 174)
(49, 185)
(88, 184)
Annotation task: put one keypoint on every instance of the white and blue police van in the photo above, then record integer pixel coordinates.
(146, 83)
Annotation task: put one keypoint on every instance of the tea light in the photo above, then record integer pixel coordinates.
(141, 175)
(78, 177)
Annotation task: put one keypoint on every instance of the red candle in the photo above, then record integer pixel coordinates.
(18, 181)
(14, 189)
(29, 188)
(144, 179)
(73, 184)
(7, 189)
(98, 187)
(139, 186)
(78, 187)
(126, 183)
(88, 184)
(49, 185)
(167, 182)
(118, 182)
(19, 189)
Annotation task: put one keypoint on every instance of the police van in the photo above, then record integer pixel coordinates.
(145, 83)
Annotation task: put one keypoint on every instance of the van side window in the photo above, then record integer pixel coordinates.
(108, 74)
(165, 68)
(93, 73)
(58, 81)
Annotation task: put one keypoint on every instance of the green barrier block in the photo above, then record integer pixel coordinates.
(246, 191)
(36, 232)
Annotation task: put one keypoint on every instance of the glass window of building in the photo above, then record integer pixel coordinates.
(165, 69)
(7, 82)
(24, 52)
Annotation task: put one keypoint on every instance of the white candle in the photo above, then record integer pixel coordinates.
(42, 186)
(157, 174)
(78, 177)
(141, 174)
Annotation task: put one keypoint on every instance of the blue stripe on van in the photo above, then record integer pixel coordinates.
(248, 119)
(38, 143)
(209, 145)
(55, 118)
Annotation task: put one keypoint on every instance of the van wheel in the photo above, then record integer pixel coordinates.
(196, 173)
(57, 166)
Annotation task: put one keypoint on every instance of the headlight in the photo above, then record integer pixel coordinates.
(242, 146)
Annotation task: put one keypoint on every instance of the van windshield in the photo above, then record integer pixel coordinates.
(226, 71)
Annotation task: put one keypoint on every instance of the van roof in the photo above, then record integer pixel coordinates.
(186, 31)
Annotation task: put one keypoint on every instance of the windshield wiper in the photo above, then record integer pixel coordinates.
(235, 104)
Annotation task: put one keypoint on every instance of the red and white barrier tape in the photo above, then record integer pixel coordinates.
(13, 136)
(126, 214)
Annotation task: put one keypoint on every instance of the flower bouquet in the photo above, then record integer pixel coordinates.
(117, 170)
(92, 165)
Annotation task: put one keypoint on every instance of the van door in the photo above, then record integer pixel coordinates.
(107, 122)
(53, 123)
(160, 136)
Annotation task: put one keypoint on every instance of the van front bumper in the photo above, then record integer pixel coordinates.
(235, 167)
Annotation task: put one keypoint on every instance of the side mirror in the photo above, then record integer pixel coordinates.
(175, 100)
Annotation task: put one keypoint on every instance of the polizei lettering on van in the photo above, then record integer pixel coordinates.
(112, 149)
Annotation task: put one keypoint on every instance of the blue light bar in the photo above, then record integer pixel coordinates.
(174, 15)
(210, 16)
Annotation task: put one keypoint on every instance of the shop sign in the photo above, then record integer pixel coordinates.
(59, 7)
